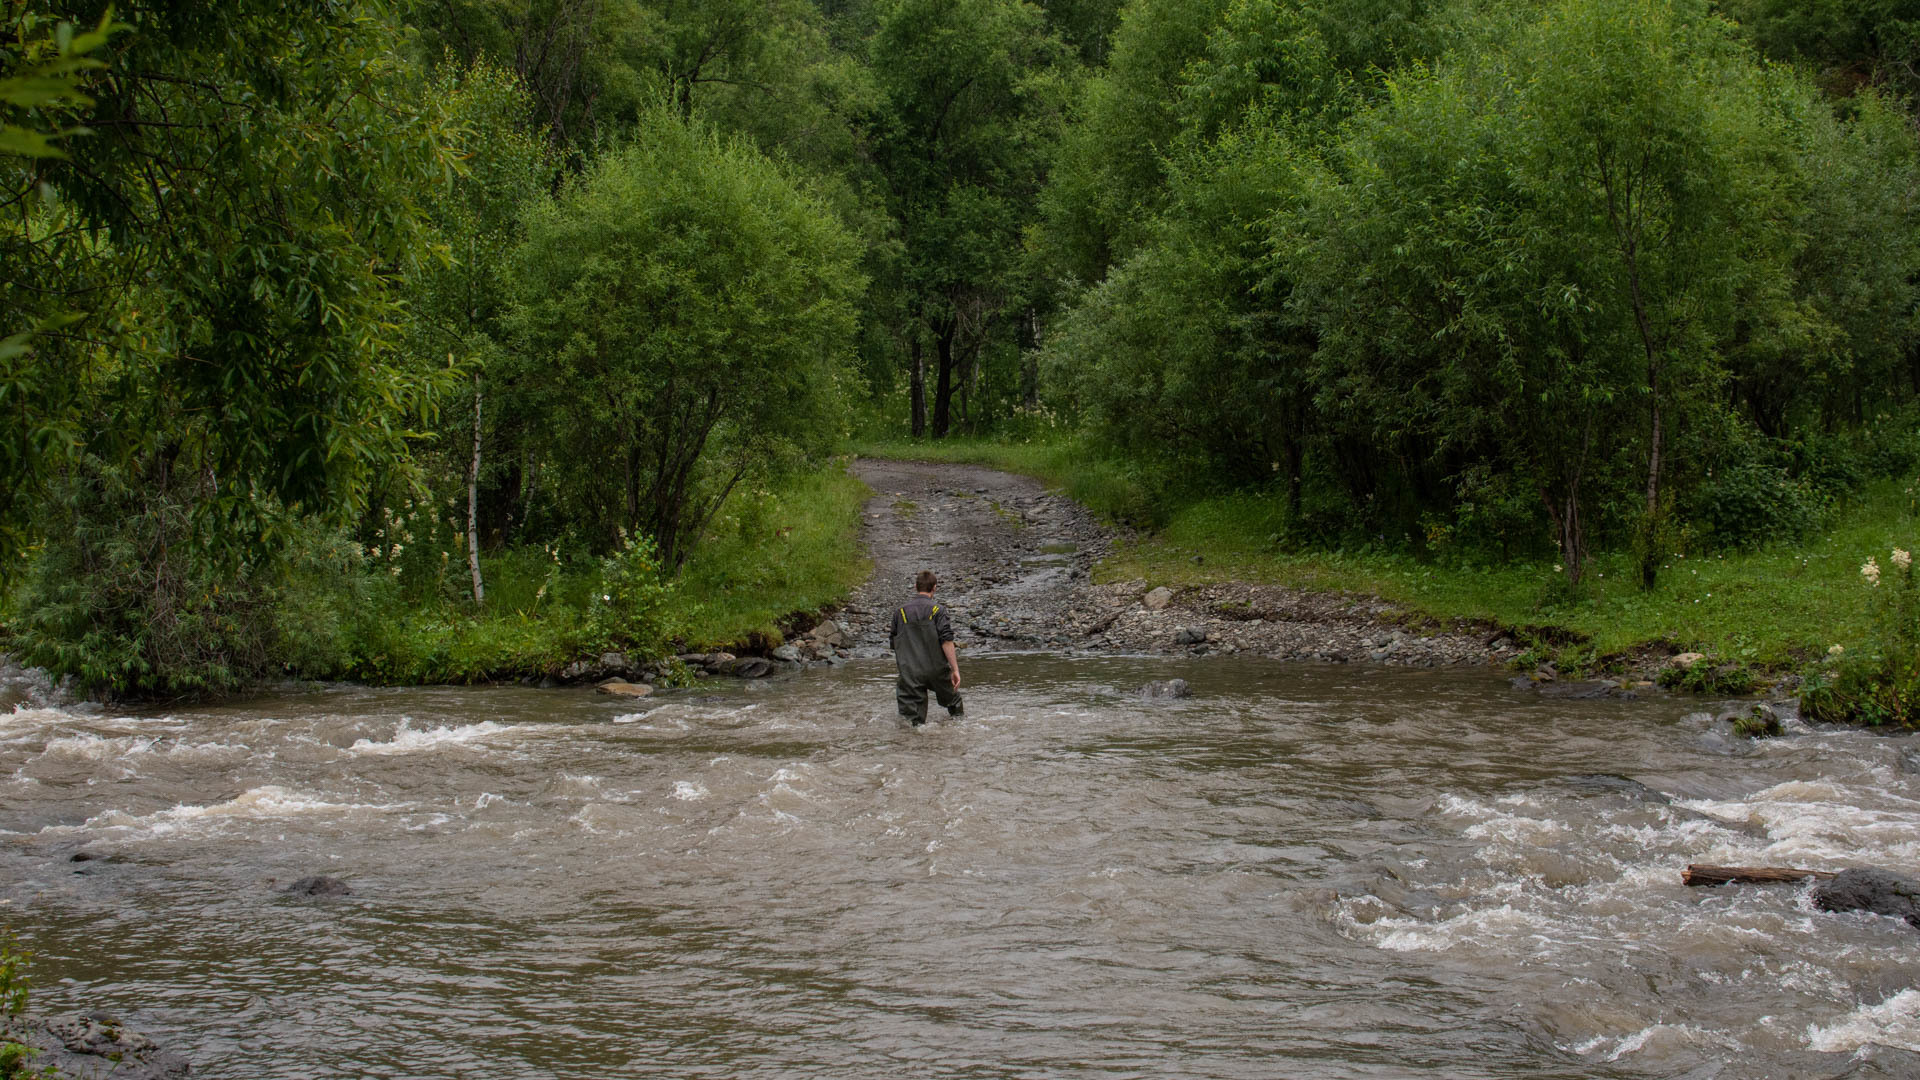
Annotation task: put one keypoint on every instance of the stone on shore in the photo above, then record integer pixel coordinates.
(1158, 599)
(1686, 660)
(786, 654)
(1191, 635)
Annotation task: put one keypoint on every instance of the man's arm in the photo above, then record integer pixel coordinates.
(945, 626)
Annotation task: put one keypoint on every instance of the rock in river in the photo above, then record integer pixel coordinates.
(92, 1047)
(1879, 891)
(1171, 688)
(751, 667)
(318, 885)
(623, 688)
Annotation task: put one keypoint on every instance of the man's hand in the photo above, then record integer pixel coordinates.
(954, 674)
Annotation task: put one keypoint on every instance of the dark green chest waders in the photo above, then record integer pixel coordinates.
(922, 663)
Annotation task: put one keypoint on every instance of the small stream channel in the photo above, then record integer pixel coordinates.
(1302, 871)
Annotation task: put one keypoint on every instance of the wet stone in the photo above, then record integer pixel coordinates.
(1168, 688)
(318, 885)
(1881, 892)
(93, 1046)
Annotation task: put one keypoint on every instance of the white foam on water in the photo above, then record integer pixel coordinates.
(28, 717)
(1505, 923)
(268, 802)
(408, 740)
(123, 747)
(688, 791)
(1666, 1036)
(488, 798)
(1894, 1022)
(1819, 821)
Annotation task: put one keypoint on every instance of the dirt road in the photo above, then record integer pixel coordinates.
(1016, 562)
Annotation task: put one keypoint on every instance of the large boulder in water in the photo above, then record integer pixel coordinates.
(318, 885)
(92, 1047)
(1879, 891)
(1171, 688)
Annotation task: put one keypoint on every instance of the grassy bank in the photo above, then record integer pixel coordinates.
(1774, 609)
(773, 551)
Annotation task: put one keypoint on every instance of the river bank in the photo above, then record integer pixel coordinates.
(1034, 569)
(1761, 619)
(1025, 568)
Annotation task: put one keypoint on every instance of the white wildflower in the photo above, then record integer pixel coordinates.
(1556, 568)
(1871, 571)
(1902, 558)
(1835, 650)
(606, 598)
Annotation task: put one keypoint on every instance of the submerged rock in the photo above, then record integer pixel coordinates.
(1879, 891)
(1170, 688)
(622, 688)
(318, 885)
(92, 1047)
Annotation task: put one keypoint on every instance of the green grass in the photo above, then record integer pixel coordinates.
(1771, 608)
(774, 553)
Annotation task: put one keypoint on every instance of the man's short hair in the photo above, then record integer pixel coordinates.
(925, 581)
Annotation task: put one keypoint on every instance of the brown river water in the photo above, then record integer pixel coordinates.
(1302, 871)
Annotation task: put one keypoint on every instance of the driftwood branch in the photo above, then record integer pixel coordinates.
(1701, 874)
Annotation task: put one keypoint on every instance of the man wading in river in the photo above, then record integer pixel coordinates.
(922, 640)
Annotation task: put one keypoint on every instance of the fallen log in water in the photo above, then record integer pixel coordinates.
(1702, 874)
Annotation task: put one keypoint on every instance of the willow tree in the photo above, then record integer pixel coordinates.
(1536, 256)
(685, 318)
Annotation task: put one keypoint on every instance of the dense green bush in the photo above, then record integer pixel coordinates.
(1752, 503)
(124, 599)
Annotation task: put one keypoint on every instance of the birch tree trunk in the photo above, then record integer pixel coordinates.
(473, 501)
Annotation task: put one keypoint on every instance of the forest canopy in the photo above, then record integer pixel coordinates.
(370, 292)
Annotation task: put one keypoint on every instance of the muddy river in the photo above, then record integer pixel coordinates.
(1303, 871)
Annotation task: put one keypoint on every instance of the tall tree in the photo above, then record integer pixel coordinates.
(970, 107)
(684, 322)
